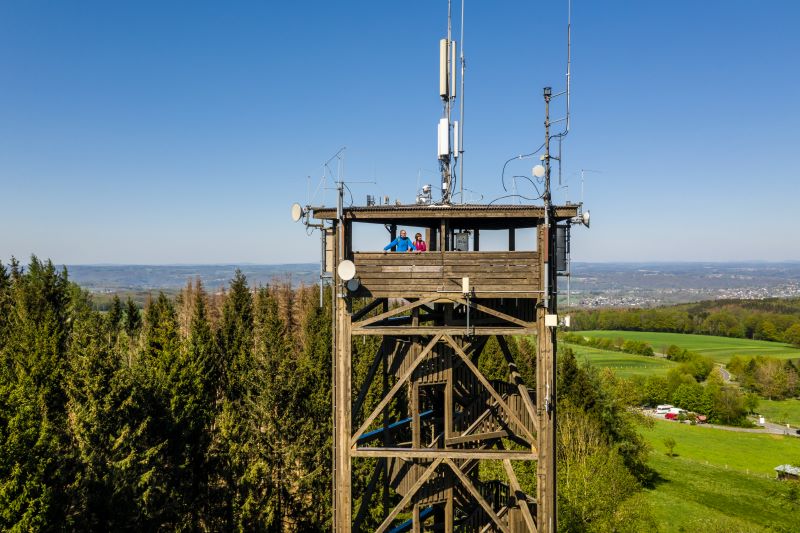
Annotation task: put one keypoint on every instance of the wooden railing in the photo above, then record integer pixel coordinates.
(418, 275)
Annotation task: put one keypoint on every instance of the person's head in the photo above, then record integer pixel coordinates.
(418, 236)
(403, 233)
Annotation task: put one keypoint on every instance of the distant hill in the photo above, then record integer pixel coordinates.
(592, 284)
(138, 278)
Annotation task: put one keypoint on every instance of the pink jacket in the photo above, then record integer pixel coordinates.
(421, 246)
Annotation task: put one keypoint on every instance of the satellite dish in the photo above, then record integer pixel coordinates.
(585, 218)
(297, 212)
(538, 171)
(353, 285)
(346, 270)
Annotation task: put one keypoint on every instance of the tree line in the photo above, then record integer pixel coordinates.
(770, 320)
(212, 412)
(207, 412)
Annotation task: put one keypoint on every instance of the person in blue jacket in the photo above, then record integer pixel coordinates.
(401, 244)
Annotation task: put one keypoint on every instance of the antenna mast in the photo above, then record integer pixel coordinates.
(448, 134)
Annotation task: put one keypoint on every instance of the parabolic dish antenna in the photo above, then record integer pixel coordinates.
(538, 171)
(346, 270)
(297, 212)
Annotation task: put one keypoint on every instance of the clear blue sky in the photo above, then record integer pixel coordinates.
(181, 132)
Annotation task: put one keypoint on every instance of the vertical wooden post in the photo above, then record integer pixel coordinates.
(343, 513)
(389, 463)
(546, 407)
(476, 240)
(449, 408)
(512, 239)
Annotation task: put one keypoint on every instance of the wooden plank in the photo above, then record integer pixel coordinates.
(441, 453)
(412, 268)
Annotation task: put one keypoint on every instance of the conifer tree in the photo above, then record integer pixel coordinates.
(115, 314)
(35, 455)
(230, 447)
(133, 319)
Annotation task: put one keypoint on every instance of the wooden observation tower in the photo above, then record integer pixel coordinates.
(439, 418)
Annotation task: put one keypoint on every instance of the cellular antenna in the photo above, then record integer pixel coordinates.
(448, 132)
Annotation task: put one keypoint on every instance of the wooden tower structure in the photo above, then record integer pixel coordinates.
(445, 441)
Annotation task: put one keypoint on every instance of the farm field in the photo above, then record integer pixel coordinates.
(721, 349)
(716, 482)
(781, 411)
(624, 365)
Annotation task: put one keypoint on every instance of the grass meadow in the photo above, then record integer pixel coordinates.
(623, 364)
(781, 411)
(721, 480)
(721, 349)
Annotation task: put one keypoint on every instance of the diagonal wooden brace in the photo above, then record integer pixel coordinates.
(392, 312)
(490, 389)
(477, 495)
(388, 398)
(409, 495)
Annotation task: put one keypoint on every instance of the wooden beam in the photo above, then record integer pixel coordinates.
(373, 369)
(400, 331)
(477, 495)
(393, 312)
(521, 497)
(388, 398)
(496, 313)
(472, 437)
(342, 398)
(490, 389)
(367, 497)
(441, 453)
(409, 495)
(367, 308)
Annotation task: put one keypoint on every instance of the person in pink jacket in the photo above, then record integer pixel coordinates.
(419, 244)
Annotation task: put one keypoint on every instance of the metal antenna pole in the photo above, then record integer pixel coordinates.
(461, 110)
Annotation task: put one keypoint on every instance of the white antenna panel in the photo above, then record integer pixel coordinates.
(443, 68)
(455, 139)
(444, 138)
(453, 47)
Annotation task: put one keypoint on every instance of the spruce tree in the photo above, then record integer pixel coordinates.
(36, 459)
(231, 444)
(133, 319)
(115, 314)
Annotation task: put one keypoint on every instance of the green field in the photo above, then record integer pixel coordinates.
(781, 411)
(721, 349)
(623, 364)
(721, 480)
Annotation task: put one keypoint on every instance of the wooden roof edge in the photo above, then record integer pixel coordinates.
(382, 214)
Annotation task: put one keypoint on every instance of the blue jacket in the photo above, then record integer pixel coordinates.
(402, 243)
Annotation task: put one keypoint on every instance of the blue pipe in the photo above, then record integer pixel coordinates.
(394, 425)
(405, 526)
